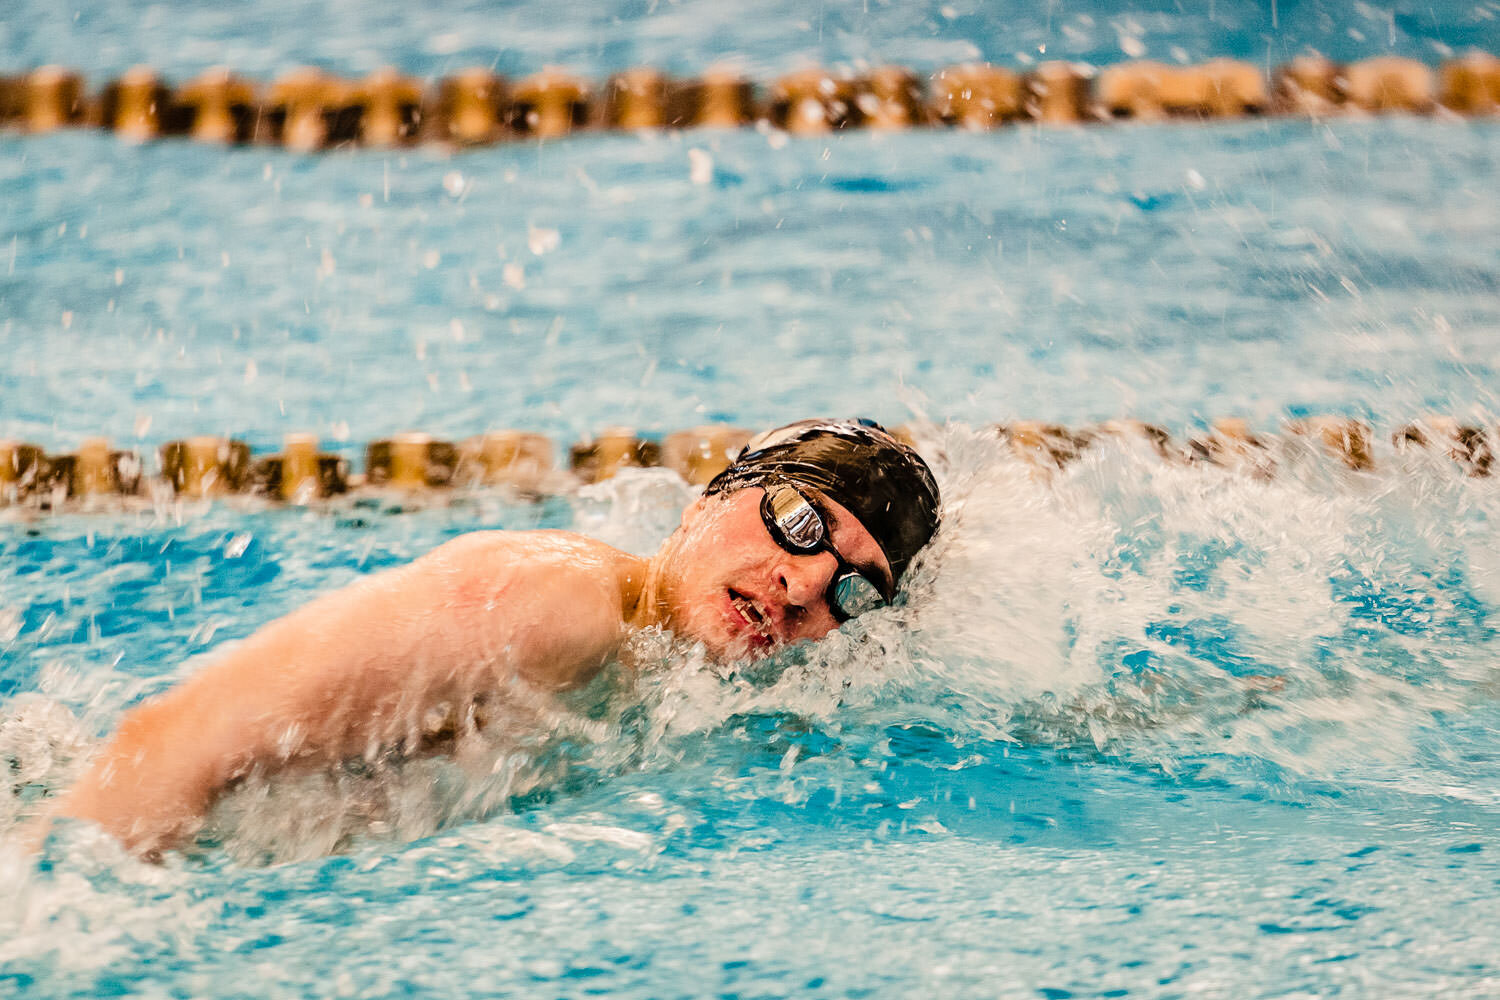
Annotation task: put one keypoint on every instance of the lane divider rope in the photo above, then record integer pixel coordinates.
(309, 110)
(417, 463)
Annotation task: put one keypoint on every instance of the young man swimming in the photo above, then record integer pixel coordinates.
(813, 524)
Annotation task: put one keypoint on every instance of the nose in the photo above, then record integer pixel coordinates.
(806, 578)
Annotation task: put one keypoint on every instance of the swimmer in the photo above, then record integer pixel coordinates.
(813, 524)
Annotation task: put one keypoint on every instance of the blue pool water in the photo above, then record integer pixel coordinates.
(1140, 730)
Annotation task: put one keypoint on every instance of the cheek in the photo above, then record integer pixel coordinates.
(715, 553)
(816, 625)
(692, 586)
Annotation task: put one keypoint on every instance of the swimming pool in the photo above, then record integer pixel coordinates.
(1054, 772)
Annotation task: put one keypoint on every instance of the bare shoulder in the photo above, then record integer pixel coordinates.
(487, 564)
(554, 599)
(561, 548)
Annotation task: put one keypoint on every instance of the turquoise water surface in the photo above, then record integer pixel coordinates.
(1139, 729)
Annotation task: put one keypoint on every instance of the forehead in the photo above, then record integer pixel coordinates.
(854, 542)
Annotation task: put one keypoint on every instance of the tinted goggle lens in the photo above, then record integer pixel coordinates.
(852, 594)
(799, 525)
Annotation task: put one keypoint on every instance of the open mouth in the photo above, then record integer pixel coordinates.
(755, 620)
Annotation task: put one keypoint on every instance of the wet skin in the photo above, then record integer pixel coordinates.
(365, 668)
(726, 582)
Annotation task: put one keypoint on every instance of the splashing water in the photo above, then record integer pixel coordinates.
(1137, 729)
(1321, 635)
(1312, 627)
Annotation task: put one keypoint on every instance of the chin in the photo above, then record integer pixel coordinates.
(725, 647)
(724, 643)
(739, 649)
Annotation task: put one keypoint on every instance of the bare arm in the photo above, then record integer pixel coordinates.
(356, 670)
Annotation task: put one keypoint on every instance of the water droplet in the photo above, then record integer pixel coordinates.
(541, 241)
(700, 166)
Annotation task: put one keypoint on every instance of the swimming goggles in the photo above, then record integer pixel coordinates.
(799, 528)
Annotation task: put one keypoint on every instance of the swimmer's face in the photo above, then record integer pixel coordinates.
(727, 583)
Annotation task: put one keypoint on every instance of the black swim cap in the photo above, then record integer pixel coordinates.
(855, 463)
